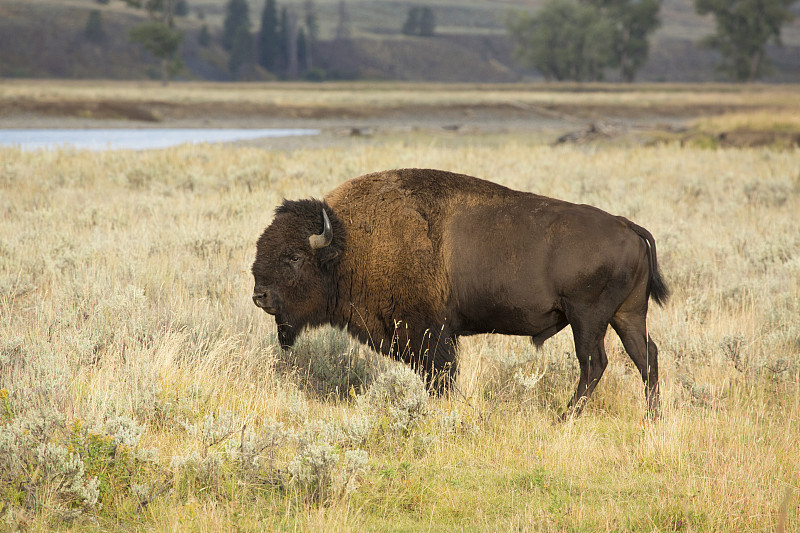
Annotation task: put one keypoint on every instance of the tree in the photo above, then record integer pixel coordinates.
(411, 25)
(163, 10)
(343, 23)
(564, 40)
(302, 48)
(310, 16)
(161, 41)
(159, 35)
(311, 33)
(427, 22)
(634, 21)
(743, 29)
(242, 51)
(237, 13)
(181, 8)
(291, 48)
(268, 45)
(204, 36)
(94, 27)
(420, 21)
(283, 40)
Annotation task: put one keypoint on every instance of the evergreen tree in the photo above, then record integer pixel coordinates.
(427, 22)
(242, 51)
(159, 35)
(161, 41)
(291, 52)
(343, 22)
(204, 37)
(312, 26)
(311, 32)
(237, 14)
(411, 25)
(283, 40)
(181, 8)
(743, 29)
(302, 48)
(94, 27)
(268, 44)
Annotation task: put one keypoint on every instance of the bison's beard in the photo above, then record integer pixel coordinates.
(287, 332)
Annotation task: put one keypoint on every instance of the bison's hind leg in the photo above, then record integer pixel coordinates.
(632, 330)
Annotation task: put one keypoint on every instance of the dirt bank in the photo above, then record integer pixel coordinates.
(555, 122)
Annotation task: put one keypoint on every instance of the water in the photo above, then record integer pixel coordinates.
(135, 139)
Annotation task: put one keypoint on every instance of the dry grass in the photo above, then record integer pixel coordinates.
(655, 98)
(125, 290)
(757, 121)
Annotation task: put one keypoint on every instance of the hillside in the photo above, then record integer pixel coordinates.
(46, 39)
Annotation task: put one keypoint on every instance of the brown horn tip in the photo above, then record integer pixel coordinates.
(326, 237)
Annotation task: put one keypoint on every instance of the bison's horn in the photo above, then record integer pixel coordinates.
(323, 239)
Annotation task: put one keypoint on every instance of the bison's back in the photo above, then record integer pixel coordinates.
(516, 262)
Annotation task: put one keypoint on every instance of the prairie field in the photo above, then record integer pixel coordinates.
(141, 389)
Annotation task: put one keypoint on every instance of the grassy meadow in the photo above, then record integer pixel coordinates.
(140, 389)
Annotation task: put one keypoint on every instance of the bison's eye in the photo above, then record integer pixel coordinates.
(294, 260)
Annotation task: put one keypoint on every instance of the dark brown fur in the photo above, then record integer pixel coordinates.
(421, 257)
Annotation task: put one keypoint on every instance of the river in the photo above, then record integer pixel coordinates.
(134, 139)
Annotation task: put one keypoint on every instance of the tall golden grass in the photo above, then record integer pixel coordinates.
(125, 290)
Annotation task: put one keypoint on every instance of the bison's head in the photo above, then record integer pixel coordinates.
(295, 265)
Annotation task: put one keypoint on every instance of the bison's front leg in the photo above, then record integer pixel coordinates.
(440, 381)
(589, 338)
(432, 354)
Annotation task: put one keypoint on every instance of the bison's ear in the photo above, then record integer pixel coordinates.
(327, 257)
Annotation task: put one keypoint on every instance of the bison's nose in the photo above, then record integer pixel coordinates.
(261, 300)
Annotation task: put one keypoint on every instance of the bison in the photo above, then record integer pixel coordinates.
(409, 260)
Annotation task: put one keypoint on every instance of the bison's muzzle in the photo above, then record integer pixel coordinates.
(265, 301)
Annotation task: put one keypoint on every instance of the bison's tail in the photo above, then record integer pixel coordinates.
(657, 288)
